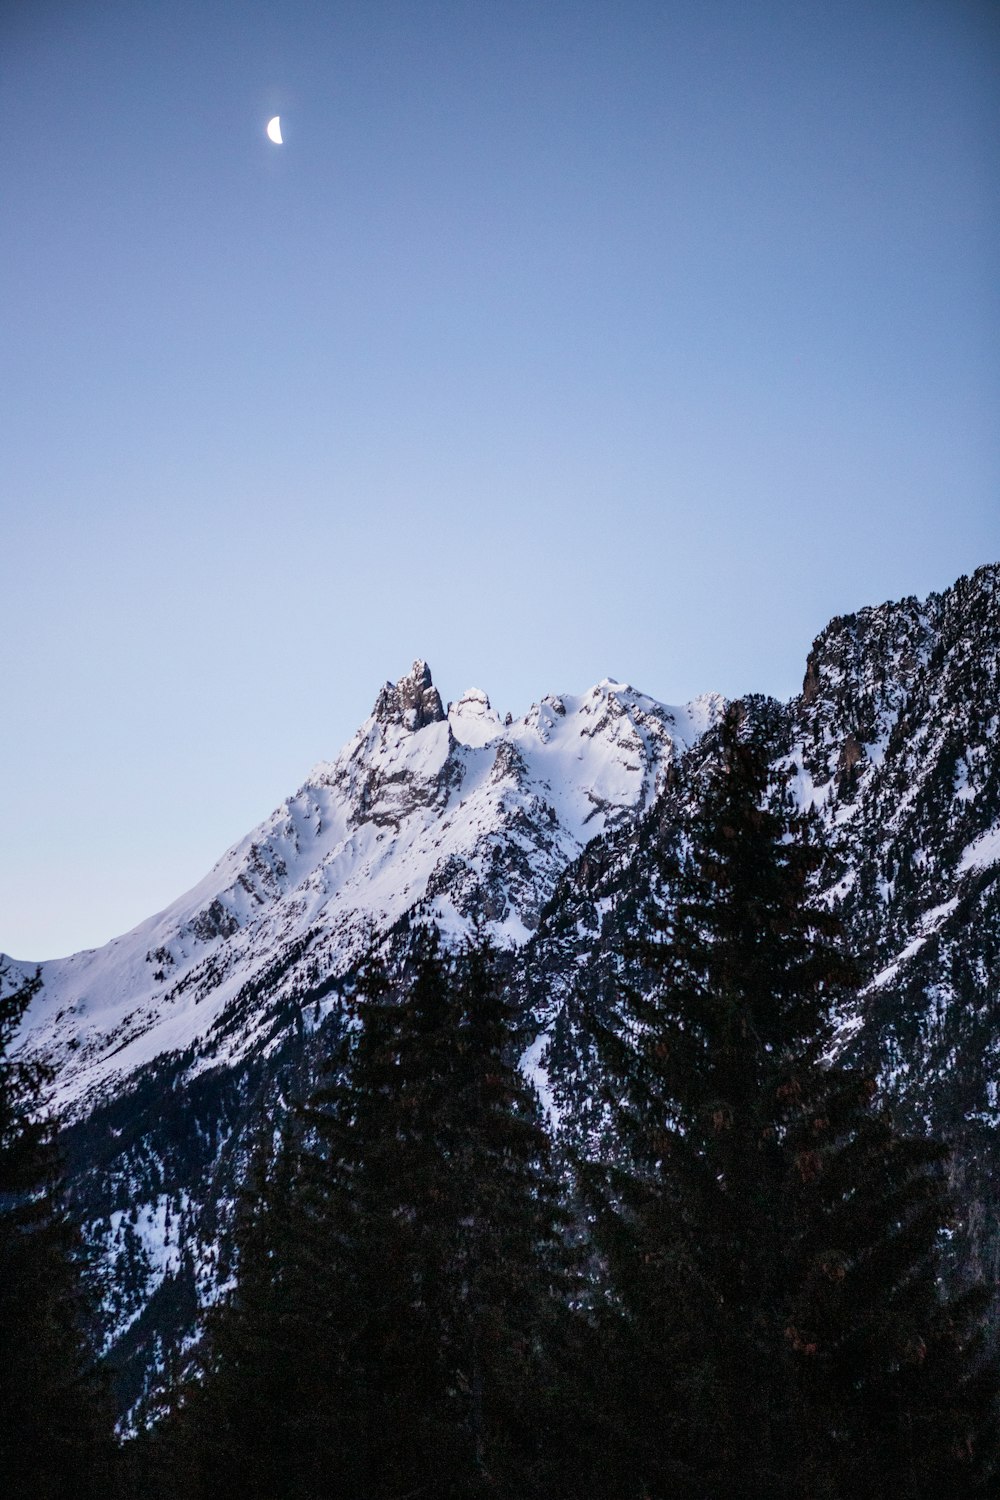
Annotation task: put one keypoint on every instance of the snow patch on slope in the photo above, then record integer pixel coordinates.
(982, 853)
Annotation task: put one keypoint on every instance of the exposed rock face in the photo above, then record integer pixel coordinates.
(173, 1039)
(414, 701)
(810, 683)
(917, 835)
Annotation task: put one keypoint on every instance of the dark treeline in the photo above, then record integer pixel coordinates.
(732, 1290)
(56, 1438)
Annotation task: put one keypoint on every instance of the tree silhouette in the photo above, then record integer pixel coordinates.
(55, 1427)
(776, 1325)
(401, 1283)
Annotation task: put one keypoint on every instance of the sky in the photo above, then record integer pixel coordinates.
(557, 341)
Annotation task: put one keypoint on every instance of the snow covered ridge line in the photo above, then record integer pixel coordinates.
(451, 814)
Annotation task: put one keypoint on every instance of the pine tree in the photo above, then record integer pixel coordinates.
(769, 1240)
(370, 1186)
(239, 1425)
(400, 1286)
(506, 1265)
(55, 1427)
(896, 1383)
(438, 1164)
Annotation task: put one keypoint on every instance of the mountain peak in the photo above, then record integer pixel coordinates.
(413, 701)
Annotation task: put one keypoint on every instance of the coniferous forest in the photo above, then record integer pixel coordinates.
(731, 1285)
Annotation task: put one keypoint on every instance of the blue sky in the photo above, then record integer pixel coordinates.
(557, 341)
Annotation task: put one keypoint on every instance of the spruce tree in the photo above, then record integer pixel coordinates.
(370, 1185)
(506, 1265)
(769, 1239)
(55, 1426)
(238, 1426)
(400, 1287)
(437, 1166)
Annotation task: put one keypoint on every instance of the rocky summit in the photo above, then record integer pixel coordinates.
(175, 1043)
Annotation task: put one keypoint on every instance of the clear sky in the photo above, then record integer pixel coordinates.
(559, 340)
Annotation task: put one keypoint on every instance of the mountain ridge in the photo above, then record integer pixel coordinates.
(179, 1040)
(453, 809)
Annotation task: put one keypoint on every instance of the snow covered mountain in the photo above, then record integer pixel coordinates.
(176, 1041)
(451, 815)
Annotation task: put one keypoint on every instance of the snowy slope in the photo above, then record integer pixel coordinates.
(454, 815)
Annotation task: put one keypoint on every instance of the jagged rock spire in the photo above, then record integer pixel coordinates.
(413, 701)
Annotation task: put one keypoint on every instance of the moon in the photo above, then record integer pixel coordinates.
(274, 130)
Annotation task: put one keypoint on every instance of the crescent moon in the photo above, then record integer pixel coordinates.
(274, 130)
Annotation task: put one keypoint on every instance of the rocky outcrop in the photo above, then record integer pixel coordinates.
(413, 701)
